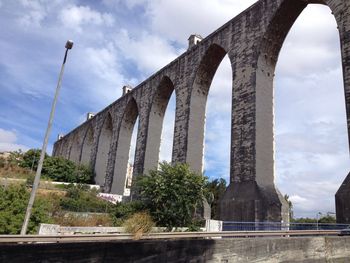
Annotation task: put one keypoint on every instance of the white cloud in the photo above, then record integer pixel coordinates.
(8, 141)
(177, 20)
(149, 52)
(314, 34)
(129, 3)
(312, 156)
(75, 17)
(218, 123)
(35, 13)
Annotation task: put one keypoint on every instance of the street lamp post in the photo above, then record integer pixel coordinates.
(69, 45)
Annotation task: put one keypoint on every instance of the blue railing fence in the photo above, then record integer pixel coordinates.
(270, 226)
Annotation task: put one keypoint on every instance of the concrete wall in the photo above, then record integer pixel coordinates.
(267, 250)
(252, 41)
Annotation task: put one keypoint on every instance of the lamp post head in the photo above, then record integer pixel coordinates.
(69, 44)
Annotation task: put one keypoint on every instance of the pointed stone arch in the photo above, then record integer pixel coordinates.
(88, 143)
(104, 143)
(198, 100)
(155, 122)
(75, 150)
(129, 117)
(264, 202)
(269, 50)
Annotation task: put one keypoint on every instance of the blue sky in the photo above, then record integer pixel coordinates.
(120, 42)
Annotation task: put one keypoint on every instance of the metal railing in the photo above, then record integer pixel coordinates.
(271, 226)
(8, 239)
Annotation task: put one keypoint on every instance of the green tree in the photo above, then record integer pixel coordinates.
(15, 158)
(80, 198)
(327, 220)
(171, 194)
(62, 170)
(30, 159)
(304, 220)
(13, 203)
(120, 212)
(215, 189)
(57, 168)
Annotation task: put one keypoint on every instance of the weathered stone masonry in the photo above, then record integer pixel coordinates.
(252, 40)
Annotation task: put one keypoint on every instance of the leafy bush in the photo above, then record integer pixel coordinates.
(15, 158)
(327, 220)
(13, 203)
(83, 174)
(171, 194)
(214, 191)
(139, 224)
(79, 199)
(30, 159)
(122, 211)
(62, 170)
(54, 168)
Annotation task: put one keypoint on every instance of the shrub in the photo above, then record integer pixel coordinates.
(58, 169)
(214, 191)
(30, 159)
(79, 199)
(62, 170)
(13, 203)
(139, 224)
(54, 168)
(15, 158)
(83, 174)
(122, 211)
(171, 194)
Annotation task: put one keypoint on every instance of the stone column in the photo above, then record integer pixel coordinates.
(341, 11)
(181, 114)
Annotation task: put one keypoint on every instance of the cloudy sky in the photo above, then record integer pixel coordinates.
(123, 42)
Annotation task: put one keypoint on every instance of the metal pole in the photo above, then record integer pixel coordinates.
(317, 218)
(68, 46)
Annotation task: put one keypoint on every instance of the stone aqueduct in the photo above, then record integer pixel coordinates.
(252, 40)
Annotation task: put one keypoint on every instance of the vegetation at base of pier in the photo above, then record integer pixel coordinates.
(172, 194)
(122, 211)
(176, 202)
(79, 198)
(215, 190)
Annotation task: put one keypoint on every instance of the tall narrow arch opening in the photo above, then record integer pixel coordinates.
(104, 142)
(74, 153)
(198, 102)
(310, 125)
(160, 125)
(121, 166)
(87, 147)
